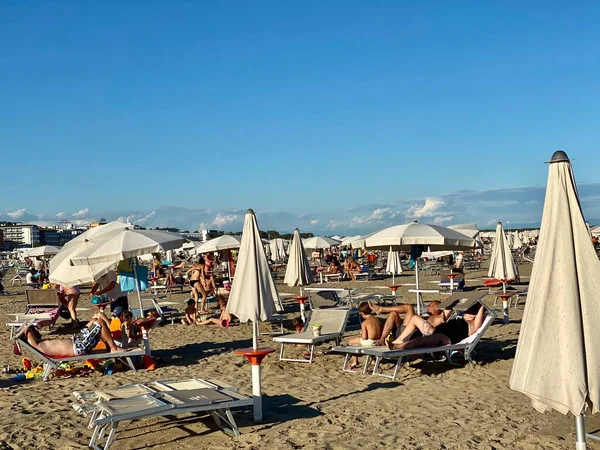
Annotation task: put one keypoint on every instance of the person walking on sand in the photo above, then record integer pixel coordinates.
(195, 275)
(370, 332)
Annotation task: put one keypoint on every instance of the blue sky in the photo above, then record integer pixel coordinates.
(332, 116)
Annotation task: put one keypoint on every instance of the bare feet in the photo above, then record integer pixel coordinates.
(389, 344)
(375, 307)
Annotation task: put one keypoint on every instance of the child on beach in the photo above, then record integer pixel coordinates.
(190, 313)
(370, 332)
(224, 318)
(298, 324)
(132, 332)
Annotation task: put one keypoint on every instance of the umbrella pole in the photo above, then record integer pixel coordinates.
(417, 283)
(580, 432)
(505, 303)
(256, 385)
(137, 286)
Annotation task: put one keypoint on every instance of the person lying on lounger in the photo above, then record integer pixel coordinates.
(396, 324)
(450, 332)
(224, 318)
(370, 332)
(81, 343)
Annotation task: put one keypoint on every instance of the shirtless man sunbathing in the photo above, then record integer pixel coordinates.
(81, 343)
(398, 325)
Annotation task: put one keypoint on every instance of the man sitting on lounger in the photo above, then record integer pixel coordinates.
(81, 343)
(450, 332)
(396, 324)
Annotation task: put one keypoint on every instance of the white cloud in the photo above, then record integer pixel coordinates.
(378, 216)
(145, 218)
(17, 214)
(314, 222)
(223, 219)
(441, 220)
(81, 213)
(61, 215)
(431, 207)
(333, 224)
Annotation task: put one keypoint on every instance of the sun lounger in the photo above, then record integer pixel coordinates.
(107, 408)
(333, 324)
(380, 353)
(41, 309)
(52, 362)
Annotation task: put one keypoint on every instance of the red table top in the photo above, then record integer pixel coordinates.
(261, 351)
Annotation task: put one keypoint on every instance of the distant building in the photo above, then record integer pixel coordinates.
(50, 236)
(192, 236)
(16, 234)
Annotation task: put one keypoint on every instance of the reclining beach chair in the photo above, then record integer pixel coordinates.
(333, 324)
(41, 308)
(150, 302)
(466, 346)
(107, 408)
(52, 362)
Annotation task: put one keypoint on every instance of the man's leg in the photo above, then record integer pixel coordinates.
(434, 340)
(402, 308)
(105, 335)
(391, 323)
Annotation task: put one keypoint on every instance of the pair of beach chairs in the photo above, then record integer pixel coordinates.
(107, 408)
(383, 353)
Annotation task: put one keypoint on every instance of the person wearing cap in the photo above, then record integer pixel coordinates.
(107, 284)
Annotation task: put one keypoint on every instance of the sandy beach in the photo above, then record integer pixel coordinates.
(310, 406)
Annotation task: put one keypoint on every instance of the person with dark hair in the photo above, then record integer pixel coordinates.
(450, 332)
(370, 332)
(195, 276)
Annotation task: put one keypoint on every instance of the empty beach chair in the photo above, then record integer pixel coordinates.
(107, 408)
(333, 324)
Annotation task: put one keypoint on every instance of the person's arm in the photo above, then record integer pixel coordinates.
(111, 285)
(364, 334)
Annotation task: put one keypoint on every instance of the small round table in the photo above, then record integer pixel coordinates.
(394, 288)
(451, 275)
(505, 296)
(255, 357)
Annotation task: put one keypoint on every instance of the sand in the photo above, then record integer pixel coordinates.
(309, 406)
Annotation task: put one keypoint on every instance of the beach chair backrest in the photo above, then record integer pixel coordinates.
(41, 298)
(324, 299)
(332, 321)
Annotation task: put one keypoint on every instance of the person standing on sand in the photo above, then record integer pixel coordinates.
(195, 275)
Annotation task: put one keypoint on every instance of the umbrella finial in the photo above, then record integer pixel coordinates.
(559, 156)
(250, 211)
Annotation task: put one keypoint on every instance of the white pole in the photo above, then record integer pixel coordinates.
(137, 286)
(580, 432)
(256, 385)
(505, 304)
(417, 283)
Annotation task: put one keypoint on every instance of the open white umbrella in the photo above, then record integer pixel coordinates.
(225, 242)
(94, 233)
(320, 242)
(502, 264)
(414, 237)
(253, 294)
(298, 272)
(44, 250)
(348, 240)
(468, 229)
(557, 363)
(125, 244)
(63, 272)
(394, 265)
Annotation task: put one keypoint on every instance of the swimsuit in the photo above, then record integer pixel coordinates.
(368, 342)
(85, 341)
(456, 330)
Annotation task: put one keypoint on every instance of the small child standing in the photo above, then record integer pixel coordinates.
(370, 332)
(190, 313)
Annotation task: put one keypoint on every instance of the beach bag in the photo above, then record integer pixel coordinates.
(127, 279)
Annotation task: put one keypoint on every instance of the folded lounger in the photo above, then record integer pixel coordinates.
(333, 324)
(107, 408)
(380, 353)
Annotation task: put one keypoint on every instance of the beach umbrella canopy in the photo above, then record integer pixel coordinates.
(63, 272)
(502, 265)
(128, 243)
(468, 229)
(348, 240)
(225, 242)
(95, 232)
(517, 243)
(253, 293)
(277, 248)
(298, 272)
(320, 242)
(394, 264)
(557, 363)
(595, 231)
(414, 237)
(44, 250)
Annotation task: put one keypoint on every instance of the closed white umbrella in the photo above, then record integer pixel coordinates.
(298, 272)
(394, 265)
(277, 248)
(320, 242)
(44, 250)
(502, 264)
(557, 363)
(225, 242)
(253, 294)
(516, 243)
(414, 236)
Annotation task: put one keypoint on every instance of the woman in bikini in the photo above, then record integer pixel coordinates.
(195, 275)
